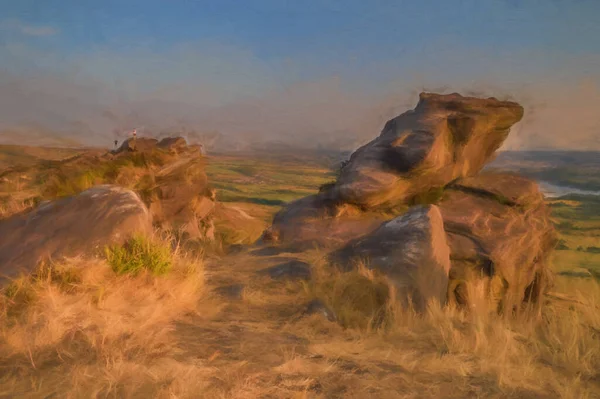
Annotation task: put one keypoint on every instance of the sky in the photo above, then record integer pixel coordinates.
(310, 73)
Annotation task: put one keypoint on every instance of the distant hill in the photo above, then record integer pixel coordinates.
(18, 156)
(577, 169)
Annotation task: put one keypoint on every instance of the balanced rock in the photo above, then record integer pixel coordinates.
(496, 229)
(445, 137)
(79, 225)
(411, 250)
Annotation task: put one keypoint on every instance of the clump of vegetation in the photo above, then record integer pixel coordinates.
(593, 250)
(61, 184)
(145, 188)
(140, 253)
(360, 298)
(431, 196)
(21, 293)
(62, 181)
(107, 323)
(10, 206)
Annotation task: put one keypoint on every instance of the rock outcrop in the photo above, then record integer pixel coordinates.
(79, 225)
(140, 144)
(180, 197)
(173, 144)
(411, 250)
(445, 137)
(497, 226)
(168, 175)
(174, 184)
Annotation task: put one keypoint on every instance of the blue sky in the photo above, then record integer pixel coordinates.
(361, 60)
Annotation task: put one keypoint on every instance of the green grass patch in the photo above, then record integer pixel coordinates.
(255, 181)
(138, 254)
(431, 196)
(63, 181)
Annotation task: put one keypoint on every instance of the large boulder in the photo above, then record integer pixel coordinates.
(497, 226)
(445, 137)
(411, 250)
(500, 236)
(79, 225)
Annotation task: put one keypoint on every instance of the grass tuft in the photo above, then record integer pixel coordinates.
(431, 196)
(138, 254)
(361, 298)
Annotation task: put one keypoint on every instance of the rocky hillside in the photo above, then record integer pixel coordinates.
(80, 204)
(152, 319)
(496, 226)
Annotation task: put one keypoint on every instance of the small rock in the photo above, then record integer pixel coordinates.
(294, 269)
(318, 307)
(233, 291)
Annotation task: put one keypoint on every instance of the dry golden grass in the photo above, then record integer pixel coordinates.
(78, 330)
(11, 206)
(14, 195)
(81, 331)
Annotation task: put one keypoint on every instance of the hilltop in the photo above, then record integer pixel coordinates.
(173, 314)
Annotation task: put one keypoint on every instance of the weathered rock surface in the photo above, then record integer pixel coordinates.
(314, 220)
(140, 144)
(232, 291)
(500, 236)
(445, 137)
(176, 190)
(79, 225)
(293, 269)
(497, 226)
(180, 197)
(173, 144)
(411, 250)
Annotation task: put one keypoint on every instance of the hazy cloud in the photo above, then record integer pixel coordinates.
(23, 28)
(210, 88)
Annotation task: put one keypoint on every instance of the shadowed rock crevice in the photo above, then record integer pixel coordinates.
(483, 193)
